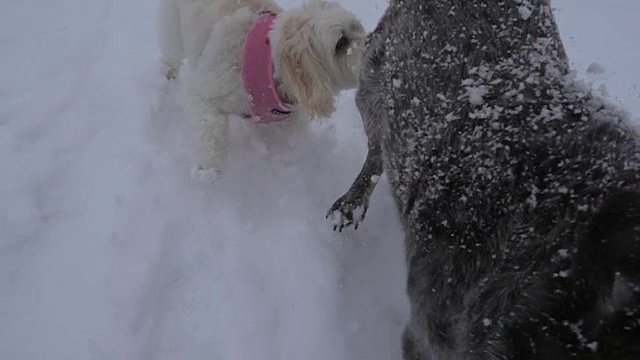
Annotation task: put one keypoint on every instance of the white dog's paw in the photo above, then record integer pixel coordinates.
(171, 73)
(207, 175)
(169, 70)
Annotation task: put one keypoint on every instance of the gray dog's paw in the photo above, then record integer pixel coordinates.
(348, 210)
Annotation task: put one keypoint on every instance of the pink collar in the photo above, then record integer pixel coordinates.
(257, 74)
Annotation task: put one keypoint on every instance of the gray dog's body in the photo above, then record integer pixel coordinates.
(519, 192)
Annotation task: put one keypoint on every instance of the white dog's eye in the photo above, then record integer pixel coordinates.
(342, 44)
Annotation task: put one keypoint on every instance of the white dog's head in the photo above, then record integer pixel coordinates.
(317, 53)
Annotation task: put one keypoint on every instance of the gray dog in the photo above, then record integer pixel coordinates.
(518, 190)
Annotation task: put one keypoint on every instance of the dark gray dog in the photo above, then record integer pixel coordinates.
(518, 190)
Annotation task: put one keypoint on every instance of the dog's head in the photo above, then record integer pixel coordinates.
(318, 50)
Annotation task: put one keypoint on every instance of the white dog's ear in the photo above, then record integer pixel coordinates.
(301, 68)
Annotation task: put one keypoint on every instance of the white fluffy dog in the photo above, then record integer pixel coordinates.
(292, 69)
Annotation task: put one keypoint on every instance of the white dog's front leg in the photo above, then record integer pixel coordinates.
(212, 131)
(297, 125)
(300, 122)
(281, 136)
(170, 38)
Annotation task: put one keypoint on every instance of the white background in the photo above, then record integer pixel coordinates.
(109, 251)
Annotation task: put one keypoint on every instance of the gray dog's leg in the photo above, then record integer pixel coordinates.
(351, 208)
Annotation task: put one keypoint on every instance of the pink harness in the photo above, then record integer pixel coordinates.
(257, 75)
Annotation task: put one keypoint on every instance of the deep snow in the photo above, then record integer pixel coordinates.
(109, 251)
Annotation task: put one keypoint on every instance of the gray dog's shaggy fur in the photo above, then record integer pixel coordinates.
(518, 190)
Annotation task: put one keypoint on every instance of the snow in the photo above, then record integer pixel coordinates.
(595, 68)
(525, 12)
(475, 94)
(109, 251)
(564, 253)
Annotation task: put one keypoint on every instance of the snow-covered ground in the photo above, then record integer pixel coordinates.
(109, 251)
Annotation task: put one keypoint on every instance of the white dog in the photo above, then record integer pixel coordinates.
(250, 58)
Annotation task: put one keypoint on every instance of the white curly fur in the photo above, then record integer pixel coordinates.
(210, 34)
